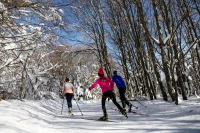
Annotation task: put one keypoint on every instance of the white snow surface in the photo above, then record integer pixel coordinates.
(44, 116)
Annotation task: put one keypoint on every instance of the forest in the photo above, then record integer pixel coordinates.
(153, 44)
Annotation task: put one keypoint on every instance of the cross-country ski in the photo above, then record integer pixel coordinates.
(95, 119)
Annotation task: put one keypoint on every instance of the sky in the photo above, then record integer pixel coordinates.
(44, 116)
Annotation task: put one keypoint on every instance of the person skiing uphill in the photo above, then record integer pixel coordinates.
(122, 89)
(106, 85)
(68, 91)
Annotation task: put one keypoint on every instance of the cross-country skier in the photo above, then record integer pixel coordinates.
(106, 86)
(122, 89)
(68, 91)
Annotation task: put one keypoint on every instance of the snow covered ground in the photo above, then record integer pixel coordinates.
(45, 117)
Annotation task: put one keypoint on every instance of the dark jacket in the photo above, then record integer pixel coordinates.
(118, 81)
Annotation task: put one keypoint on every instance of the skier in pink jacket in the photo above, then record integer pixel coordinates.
(106, 85)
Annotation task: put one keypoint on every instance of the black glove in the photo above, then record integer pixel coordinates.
(108, 99)
(73, 98)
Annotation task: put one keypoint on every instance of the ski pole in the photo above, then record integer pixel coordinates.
(78, 106)
(135, 106)
(140, 103)
(62, 104)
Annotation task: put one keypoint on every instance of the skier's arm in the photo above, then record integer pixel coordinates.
(122, 80)
(94, 85)
(73, 89)
(63, 89)
(111, 83)
(112, 78)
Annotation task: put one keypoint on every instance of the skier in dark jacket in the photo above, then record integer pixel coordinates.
(122, 89)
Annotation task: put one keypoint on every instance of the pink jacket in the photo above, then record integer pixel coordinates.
(104, 85)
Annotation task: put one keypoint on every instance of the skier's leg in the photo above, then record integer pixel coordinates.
(103, 102)
(121, 93)
(113, 97)
(105, 116)
(123, 97)
(126, 101)
(69, 102)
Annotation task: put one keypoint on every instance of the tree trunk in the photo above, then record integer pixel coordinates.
(151, 50)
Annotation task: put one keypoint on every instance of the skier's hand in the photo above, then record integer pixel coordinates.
(73, 98)
(63, 93)
(108, 99)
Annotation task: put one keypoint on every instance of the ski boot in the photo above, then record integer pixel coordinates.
(124, 109)
(103, 118)
(124, 113)
(70, 111)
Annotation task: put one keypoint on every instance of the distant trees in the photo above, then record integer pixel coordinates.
(156, 42)
(26, 36)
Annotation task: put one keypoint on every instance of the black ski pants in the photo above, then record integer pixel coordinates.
(122, 92)
(69, 97)
(112, 96)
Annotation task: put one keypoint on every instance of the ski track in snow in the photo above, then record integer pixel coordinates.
(45, 116)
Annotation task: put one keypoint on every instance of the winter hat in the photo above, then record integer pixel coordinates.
(100, 72)
(115, 72)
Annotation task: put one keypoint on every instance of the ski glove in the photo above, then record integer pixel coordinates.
(73, 98)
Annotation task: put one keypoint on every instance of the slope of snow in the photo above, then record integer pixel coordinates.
(45, 117)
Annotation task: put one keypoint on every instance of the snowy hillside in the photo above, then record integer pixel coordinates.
(45, 117)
